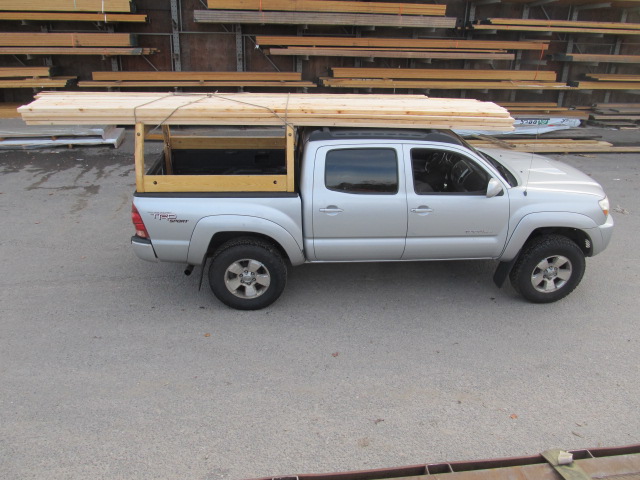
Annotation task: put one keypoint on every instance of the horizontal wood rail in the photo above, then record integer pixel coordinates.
(103, 51)
(525, 28)
(403, 43)
(559, 23)
(72, 17)
(613, 77)
(341, 52)
(43, 82)
(431, 73)
(20, 72)
(30, 39)
(591, 58)
(187, 142)
(203, 83)
(442, 85)
(67, 5)
(606, 85)
(198, 76)
(329, 6)
(304, 18)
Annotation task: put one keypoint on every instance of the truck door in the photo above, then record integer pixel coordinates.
(449, 213)
(359, 203)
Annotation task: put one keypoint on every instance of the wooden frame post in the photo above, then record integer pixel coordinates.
(168, 160)
(139, 156)
(290, 154)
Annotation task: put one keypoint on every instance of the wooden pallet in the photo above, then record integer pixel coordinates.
(32, 39)
(450, 74)
(306, 18)
(67, 5)
(329, 6)
(72, 17)
(103, 51)
(392, 53)
(402, 43)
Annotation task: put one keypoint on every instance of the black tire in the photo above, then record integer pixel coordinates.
(548, 269)
(247, 274)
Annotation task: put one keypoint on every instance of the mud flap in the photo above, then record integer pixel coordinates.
(503, 270)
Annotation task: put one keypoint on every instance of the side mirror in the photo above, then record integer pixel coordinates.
(494, 187)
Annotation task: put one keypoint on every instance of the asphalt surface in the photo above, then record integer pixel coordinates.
(112, 367)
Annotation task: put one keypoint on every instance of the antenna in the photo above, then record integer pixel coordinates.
(526, 183)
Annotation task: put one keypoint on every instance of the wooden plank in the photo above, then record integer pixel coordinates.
(264, 109)
(138, 155)
(9, 110)
(341, 52)
(560, 23)
(103, 51)
(524, 28)
(290, 139)
(73, 17)
(442, 85)
(591, 58)
(303, 18)
(197, 76)
(187, 142)
(168, 157)
(431, 73)
(606, 85)
(404, 43)
(67, 5)
(44, 82)
(329, 6)
(559, 146)
(613, 77)
(66, 39)
(19, 72)
(159, 84)
(215, 183)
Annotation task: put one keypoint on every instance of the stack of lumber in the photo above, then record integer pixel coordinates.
(66, 5)
(32, 43)
(558, 145)
(196, 79)
(401, 111)
(442, 79)
(14, 134)
(615, 114)
(396, 47)
(594, 58)
(9, 110)
(521, 110)
(72, 17)
(609, 82)
(31, 77)
(493, 25)
(325, 12)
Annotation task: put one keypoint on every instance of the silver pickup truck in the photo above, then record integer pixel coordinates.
(372, 195)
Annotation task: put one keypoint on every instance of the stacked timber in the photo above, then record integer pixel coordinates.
(594, 58)
(31, 77)
(443, 79)
(493, 25)
(395, 47)
(66, 6)
(523, 110)
(33, 43)
(401, 111)
(72, 17)
(14, 134)
(132, 79)
(557, 145)
(602, 81)
(618, 115)
(325, 12)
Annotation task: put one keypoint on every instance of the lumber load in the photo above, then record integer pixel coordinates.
(562, 26)
(102, 51)
(72, 17)
(391, 53)
(66, 5)
(398, 43)
(593, 58)
(448, 74)
(32, 39)
(442, 85)
(559, 145)
(23, 72)
(329, 6)
(312, 18)
(402, 111)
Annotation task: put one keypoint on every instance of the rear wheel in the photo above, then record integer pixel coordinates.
(549, 268)
(247, 274)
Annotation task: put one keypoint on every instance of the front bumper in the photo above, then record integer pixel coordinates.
(143, 248)
(601, 236)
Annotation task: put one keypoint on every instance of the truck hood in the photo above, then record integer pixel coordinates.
(543, 173)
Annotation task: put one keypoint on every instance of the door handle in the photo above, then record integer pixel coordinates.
(422, 210)
(331, 210)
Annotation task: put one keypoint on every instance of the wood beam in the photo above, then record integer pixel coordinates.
(72, 17)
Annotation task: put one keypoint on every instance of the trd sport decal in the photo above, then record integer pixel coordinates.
(168, 216)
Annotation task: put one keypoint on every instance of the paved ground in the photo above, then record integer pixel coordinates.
(111, 367)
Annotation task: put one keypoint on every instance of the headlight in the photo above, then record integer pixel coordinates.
(604, 205)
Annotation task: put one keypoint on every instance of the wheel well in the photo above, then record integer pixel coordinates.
(221, 238)
(579, 237)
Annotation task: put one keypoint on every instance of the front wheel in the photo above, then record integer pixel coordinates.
(549, 268)
(247, 274)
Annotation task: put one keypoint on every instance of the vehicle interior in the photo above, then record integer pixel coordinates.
(441, 171)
